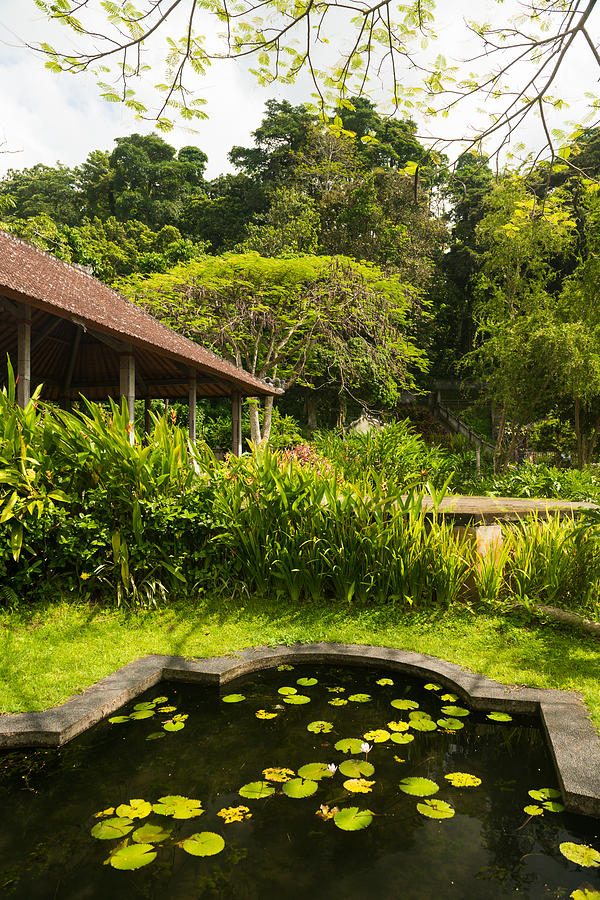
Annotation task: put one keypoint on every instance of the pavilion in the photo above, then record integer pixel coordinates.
(66, 330)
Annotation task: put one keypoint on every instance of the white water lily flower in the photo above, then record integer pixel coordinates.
(365, 747)
(332, 768)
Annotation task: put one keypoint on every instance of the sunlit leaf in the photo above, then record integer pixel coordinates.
(533, 810)
(435, 809)
(418, 787)
(166, 709)
(384, 681)
(360, 698)
(455, 711)
(398, 726)
(296, 699)
(286, 690)
(110, 829)
(135, 809)
(151, 834)
(553, 806)
(141, 714)
(451, 724)
(352, 818)
(320, 727)
(105, 812)
(160, 700)
(263, 714)
(401, 703)
(145, 706)
(543, 794)
(499, 717)
(231, 814)
(256, 790)
(462, 779)
(432, 686)
(377, 735)
(233, 698)
(173, 726)
(358, 785)
(203, 843)
(398, 738)
(284, 668)
(278, 774)
(580, 854)
(449, 698)
(337, 701)
(119, 720)
(299, 788)
(355, 768)
(349, 745)
(178, 807)
(307, 682)
(131, 856)
(585, 893)
(315, 771)
(423, 724)
(326, 812)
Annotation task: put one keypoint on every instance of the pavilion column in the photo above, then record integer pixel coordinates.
(236, 424)
(147, 419)
(127, 385)
(24, 356)
(192, 396)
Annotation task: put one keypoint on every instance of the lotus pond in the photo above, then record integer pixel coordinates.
(320, 782)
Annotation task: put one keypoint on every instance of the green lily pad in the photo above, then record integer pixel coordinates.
(355, 768)
(377, 735)
(553, 806)
(173, 726)
(135, 809)
(455, 711)
(423, 724)
(499, 717)
(203, 843)
(451, 724)
(131, 856)
(462, 779)
(320, 727)
(278, 774)
(432, 687)
(384, 681)
(296, 699)
(151, 834)
(141, 714)
(399, 738)
(360, 698)
(435, 809)
(533, 810)
(299, 788)
(233, 698)
(358, 785)
(398, 726)
(585, 893)
(401, 703)
(307, 682)
(110, 829)
(284, 668)
(155, 736)
(449, 698)
(145, 706)
(256, 790)
(315, 771)
(352, 818)
(419, 787)
(543, 794)
(178, 807)
(286, 690)
(160, 700)
(580, 854)
(349, 745)
(119, 720)
(338, 701)
(166, 709)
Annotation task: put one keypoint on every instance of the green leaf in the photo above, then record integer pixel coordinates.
(233, 698)
(462, 779)
(173, 726)
(203, 843)
(423, 724)
(135, 809)
(315, 771)
(377, 735)
(147, 705)
(119, 720)
(286, 691)
(449, 698)
(151, 834)
(580, 854)
(300, 787)
(544, 794)
(353, 819)
(401, 703)
(256, 790)
(499, 717)
(296, 699)
(178, 807)
(418, 787)
(433, 687)
(131, 856)
(451, 724)
(355, 768)
(399, 738)
(455, 711)
(307, 682)
(435, 809)
(553, 806)
(109, 829)
(349, 745)
(585, 893)
(142, 714)
(384, 682)
(320, 727)
(360, 698)
(155, 736)
(358, 785)
(533, 810)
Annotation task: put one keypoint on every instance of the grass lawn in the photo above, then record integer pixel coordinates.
(48, 653)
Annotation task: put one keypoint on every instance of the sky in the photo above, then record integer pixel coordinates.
(45, 117)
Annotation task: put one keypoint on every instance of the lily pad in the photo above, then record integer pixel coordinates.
(378, 736)
(131, 856)
(401, 703)
(203, 843)
(141, 714)
(286, 690)
(432, 686)
(284, 668)
(173, 726)
(178, 807)
(320, 727)
(449, 698)
(299, 788)
(423, 724)
(585, 893)
(307, 682)
(166, 709)
(263, 714)
(135, 809)
(110, 811)
(418, 787)
(455, 711)
(315, 771)
(398, 726)
(360, 698)
(156, 736)
(352, 818)
(543, 794)
(110, 829)
(533, 810)
(160, 700)
(451, 724)
(384, 682)
(145, 706)
(435, 809)
(553, 806)
(399, 738)
(355, 768)
(462, 779)
(358, 785)
(296, 699)
(337, 701)
(580, 854)
(278, 774)
(151, 834)
(231, 814)
(256, 790)
(499, 717)
(233, 698)
(349, 745)
(118, 720)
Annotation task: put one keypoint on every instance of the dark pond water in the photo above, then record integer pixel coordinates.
(487, 847)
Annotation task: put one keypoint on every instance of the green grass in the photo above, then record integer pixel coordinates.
(48, 653)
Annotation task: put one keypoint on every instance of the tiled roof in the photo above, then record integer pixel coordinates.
(33, 276)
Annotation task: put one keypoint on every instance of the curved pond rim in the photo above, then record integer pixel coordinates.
(573, 741)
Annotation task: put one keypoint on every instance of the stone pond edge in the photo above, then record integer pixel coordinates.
(572, 738)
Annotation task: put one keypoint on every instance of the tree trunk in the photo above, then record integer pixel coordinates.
(341, 411)
(499, 438)
(311, 411)
(578, 434)
(267, 419)
(255, 435)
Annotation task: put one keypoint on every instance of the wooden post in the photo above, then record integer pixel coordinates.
(478, 457)
(236, 424)
(127, 386)
(24, 356)
(147, 419)
(192, 397)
